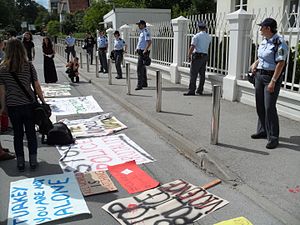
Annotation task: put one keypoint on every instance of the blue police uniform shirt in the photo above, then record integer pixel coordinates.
(201, 42)
(102, 42)
(143, 38)
(119, 44)
(70, 41)
(267, 57)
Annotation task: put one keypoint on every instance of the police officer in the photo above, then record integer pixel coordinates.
(119, 45)
(142, 50)
(70, 49)
(102, 44)
(198, 55)
(268, 70)
(89, 43)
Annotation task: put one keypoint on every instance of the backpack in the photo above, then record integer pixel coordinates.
(60, 134)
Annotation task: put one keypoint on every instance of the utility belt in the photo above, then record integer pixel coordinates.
(119, 51)
(198, 55)
(141, 52)
(265, 72)
(102, 49)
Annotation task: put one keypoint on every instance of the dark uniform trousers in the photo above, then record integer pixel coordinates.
(89, 50)
(70, 50)
(103, 59)
(198, 66)
(119, 59)
(141, 69)
(266, 106)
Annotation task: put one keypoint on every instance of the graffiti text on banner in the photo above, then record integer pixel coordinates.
(177, 202)
(47, 198)
(95, 154)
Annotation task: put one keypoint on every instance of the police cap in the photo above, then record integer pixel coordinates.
(141, 22)
(268, 22)
(201, 24)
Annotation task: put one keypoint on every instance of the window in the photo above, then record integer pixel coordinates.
(240, 3)
(293, 12)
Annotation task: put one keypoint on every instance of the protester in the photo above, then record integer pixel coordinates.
(70, 48)
(89, 43)
(198, 55)
(142, 50)
(15, 66)
(29, 46)
(119, 45)
(50, 74)
(72, 70)
(268, 70)
(102, 44)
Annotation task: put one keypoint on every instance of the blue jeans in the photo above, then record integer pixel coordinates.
(20, 117)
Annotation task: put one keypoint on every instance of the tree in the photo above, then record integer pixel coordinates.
(53, 27)
(42, 18)
(7, 14)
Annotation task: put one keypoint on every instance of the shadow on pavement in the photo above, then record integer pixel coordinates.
(294, 143)
(102, 198)
(148, 96)
(176, 113)
(243, 149)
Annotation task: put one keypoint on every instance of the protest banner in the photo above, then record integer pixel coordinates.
(43, 199)
(95, 154)
(55, 86)
(56, 93)
(177, 202)
(132, 178)
(95, 182)
(73, 105)
(235, 221)
(100, 125)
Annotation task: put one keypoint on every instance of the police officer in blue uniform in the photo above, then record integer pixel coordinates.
(198, 55)
(102, 44)
(268, 70)
(70, 49)
(143, 51)
(119, 45)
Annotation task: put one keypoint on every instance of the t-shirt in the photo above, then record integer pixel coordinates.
(14, 94)
(89, 42)
(29, 45)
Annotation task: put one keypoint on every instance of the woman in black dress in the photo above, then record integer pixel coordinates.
(49, 67)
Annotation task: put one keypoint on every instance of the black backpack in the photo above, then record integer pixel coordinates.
(60, 134)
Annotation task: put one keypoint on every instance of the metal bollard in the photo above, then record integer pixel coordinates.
(97, 66)
(87, 62)
(80, 58)
(109, 71)
(158, 91)
(215, 114)
(128, 78)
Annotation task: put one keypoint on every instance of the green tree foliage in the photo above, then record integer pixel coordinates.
(7, 14)
(42, 18)
(53, 27)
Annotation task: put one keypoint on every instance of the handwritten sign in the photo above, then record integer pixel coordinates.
(47, 198)
(73, 105)
(97, 126)
(236, 221)
(177, 202)
(95, 154)
(96, 182)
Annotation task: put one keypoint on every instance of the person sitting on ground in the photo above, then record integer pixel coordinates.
(72, 70)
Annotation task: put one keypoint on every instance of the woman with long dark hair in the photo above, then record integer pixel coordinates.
(29, 46)
(49, 66)
(16, 71)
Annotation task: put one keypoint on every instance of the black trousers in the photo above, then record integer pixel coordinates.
(198, 66)
(103, 59)
(20, 117)
(268, 122)
(119, 59)
(141, 70)
(70, 50)
(90, 51)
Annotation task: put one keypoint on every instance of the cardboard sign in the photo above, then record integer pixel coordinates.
(95, 183)
(73, 105)
(96, 126)
(95, 154)
(46, 198)
(235, 221)
(177, 202)
(132, 178)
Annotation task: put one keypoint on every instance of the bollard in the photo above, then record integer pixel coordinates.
(109, 72)
(158, 91)
(128, 78)
(87, 62)
(80, 58)
(215, 114)
(97, 66)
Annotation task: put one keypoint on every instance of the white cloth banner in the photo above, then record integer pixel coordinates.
(96, 126)
(95, 154)
(46, 198)
(73, 105)
(177, 202)
(56, 90)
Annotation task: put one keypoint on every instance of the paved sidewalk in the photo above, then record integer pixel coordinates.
(268, 177)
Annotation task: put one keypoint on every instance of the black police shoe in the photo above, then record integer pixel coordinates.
(119, 77)
(259, 136)
(138, 88)
(189, 93)
(272, 144)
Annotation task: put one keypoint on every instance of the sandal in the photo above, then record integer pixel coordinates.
(7, 156)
